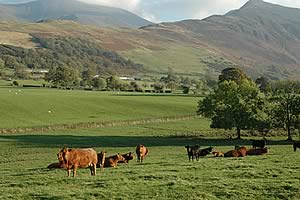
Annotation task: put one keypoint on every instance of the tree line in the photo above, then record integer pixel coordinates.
(239, 103)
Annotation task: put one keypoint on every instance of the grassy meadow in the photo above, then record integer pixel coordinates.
(166, 172)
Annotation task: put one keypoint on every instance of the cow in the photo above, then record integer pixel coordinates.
(101, 159)
(218, 154)
(205, 152)
(127, 156)
(112, 161)
(141, 152)
(259, 143)
(296, 145)
(256, 152)
(192, 152)
(240, 152)
(78, 158)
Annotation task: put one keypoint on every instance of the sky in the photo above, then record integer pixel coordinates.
(176, 10)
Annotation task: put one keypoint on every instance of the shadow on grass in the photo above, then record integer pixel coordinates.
(126, 141)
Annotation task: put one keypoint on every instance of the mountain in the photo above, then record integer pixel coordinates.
(262, 38)
(71, 10)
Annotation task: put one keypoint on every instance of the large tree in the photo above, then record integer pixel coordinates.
(63, 76)
(286, 106)
(235, 104)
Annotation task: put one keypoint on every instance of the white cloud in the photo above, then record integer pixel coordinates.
(173, 10)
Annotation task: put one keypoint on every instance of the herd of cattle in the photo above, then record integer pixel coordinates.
(82, 158)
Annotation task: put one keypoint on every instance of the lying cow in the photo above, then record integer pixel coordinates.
(240, 152)
(192, 152)
(127, 157)
(256, 152)
(296, 145)
(218, 154)
(141, 152)
(205, 152)
(259, 143)
(78, 158)
(101, 159)
(112, 161)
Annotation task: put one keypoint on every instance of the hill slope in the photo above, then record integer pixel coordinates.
(261, 38)
(71, 10)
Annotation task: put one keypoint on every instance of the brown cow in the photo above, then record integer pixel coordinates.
(218, 154)
(112, 161)
(127, 156)
(141, 152)
(78, 158)
(101, 159)
(239, 152)
(256, 152)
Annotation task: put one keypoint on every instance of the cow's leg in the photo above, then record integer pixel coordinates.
(74, 170)
(94, 169)
(91, 169)
(69, 171)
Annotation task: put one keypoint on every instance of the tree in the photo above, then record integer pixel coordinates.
(171, 80)
(2, 68)
(20, 71)
(99, 83)
(232, 74)
(264, 84)
(87, 76)
(62, 76)
(232, 105)
(114, 83)
(286, 108)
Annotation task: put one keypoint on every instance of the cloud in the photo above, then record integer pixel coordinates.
(175, 10)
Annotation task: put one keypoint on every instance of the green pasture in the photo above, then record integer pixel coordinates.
(21, 108)
(165, 174)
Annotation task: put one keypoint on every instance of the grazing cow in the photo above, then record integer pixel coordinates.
(78, 158)
(296, 145)
(127, 156)
(259, 143)
(240, 152)
(218, 154)
(112, 161)
(192, 152)
(256, 152)
(141, 152)
(101, 159)
(205, 152)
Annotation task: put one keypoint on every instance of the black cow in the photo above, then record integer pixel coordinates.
(192, 152)
(296, 145)
(259, 143)
(205, 152)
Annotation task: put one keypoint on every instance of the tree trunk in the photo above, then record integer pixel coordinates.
(238, 133)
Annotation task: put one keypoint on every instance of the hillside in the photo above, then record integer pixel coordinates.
(261, 38)
(71, 10)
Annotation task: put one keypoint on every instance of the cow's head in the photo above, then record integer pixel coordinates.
(61, 156)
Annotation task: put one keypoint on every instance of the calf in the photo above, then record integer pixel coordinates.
(259, 143)
(127, 157)
(205, 152)
(240, 152)
(218, 154)
(101, 159)
(141, 152)
(192, 152)
(256, 152)
(78, 158)
(112, 161)
(296, 145)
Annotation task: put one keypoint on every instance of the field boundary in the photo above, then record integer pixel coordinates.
(95, 124)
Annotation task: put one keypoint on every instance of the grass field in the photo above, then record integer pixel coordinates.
(165, 174)
(44, 107)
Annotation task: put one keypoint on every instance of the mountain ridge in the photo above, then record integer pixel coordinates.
(71, 10)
